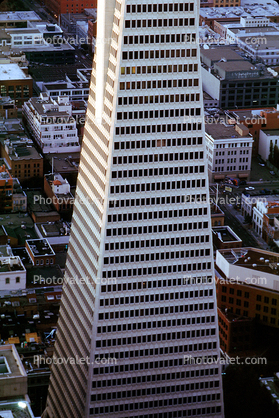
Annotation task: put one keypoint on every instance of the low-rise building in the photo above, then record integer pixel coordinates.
(225, 237)
(237, 83)
(14, 400)
(19, 197)
(57, 233)
(217, 215)
(51, 124)
(210, 15)
(228, 150)
(6, 190)
(40, 252)
(22, 158)
(8, 109)
(267, 206)
(59, 191)
(236, 332)
(15, 83)
(256, 121)
(247, 281)
(18, 19)
(74, 90)
(12, 273)
(268, 140)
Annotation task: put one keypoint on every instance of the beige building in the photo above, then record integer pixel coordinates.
(228, 150)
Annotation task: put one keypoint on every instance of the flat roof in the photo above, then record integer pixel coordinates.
(272, 132)
(252, 30)
(18, 16)
(247, 113)
(256, 259)
(219, 52)
(249, 11)
(225, 234)
(221, 131)
(236, 66)
(22, 30)
(39, 247)
(12, 72)
(11, 355)
(10, 263)
(271, 42)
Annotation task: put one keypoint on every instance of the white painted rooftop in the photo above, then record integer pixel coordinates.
(11, 72)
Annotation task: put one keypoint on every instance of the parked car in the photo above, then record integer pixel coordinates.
(250, 188)
(262, 164)
(272, 173)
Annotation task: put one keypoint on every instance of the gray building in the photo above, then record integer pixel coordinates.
(235, 82)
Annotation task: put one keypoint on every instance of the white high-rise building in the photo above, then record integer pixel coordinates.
(139, 300)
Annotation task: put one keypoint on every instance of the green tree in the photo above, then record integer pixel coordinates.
(276, 156)
(271, 151)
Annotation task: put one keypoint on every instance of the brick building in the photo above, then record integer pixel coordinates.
(23, 159)
(40, 252)
(6, 190)
(57, 7)
(15, 83)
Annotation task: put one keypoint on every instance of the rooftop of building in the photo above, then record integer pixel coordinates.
(4, 34)
(40, 247)
(232, 317)
(225, 234)
(12, 72)
(54, 229)
(230, 66)
(47, 106)
(271, 132)
(14, 408)
(5, 175)
(84, 73)
(12, 367)
(64, 85)
(65, 163)
(18, 16)
(248, 113)
(5, 250)
(18, 31)
(253, 258)
(10, 263)
(271, 42)
(221, 131)
(215, 210)
(21, 149)
(253, 11)
(10, 126)
(44, 47)
(6, 101)
(252, 30)
(227, 52)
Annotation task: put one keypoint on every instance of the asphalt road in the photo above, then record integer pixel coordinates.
(247, 239)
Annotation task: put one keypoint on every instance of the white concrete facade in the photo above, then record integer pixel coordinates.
(51, 124)
(228, 156)
(266, 138)
(12, 273)
(136, 238)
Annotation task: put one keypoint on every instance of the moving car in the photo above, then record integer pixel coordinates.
(250, 188)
